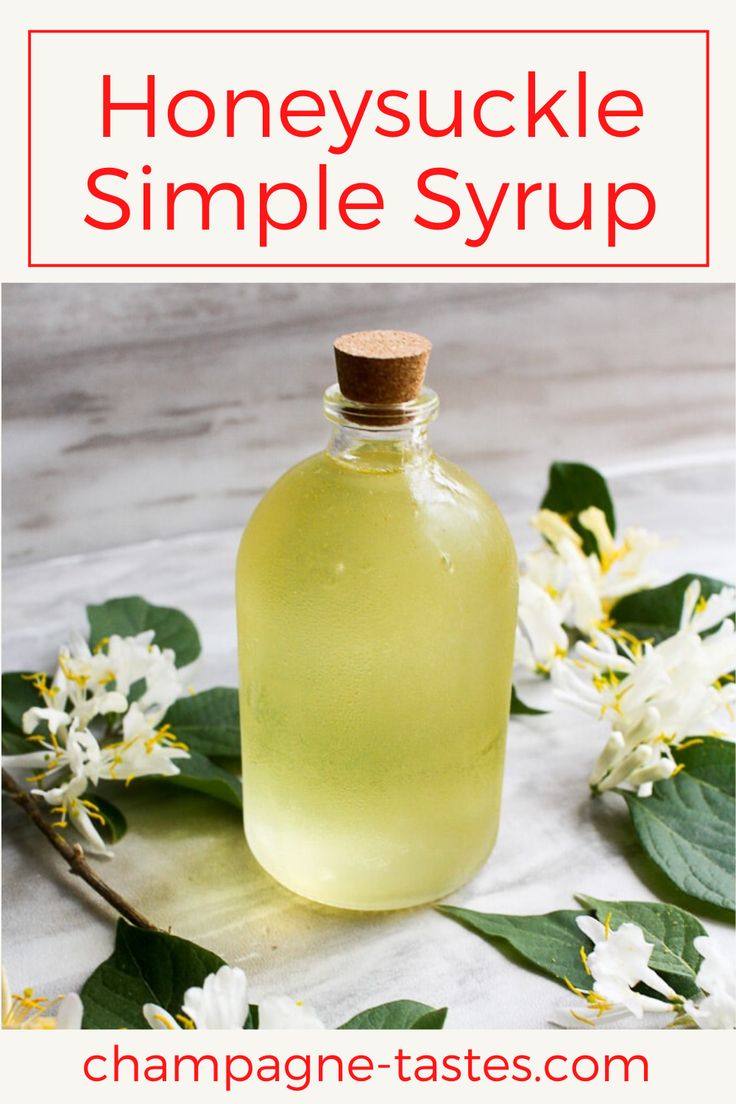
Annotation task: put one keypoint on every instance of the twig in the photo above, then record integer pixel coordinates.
(74, 855)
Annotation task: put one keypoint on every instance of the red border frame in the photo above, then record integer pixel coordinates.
(376, 264)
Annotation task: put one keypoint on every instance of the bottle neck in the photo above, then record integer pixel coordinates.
(380, 437)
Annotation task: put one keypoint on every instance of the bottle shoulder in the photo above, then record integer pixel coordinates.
(323, 490)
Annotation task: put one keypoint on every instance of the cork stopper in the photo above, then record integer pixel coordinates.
(381, 367)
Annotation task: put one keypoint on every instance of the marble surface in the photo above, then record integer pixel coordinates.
(143, 411)
(185, 862)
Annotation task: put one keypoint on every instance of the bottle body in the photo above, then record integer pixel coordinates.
(376, 598)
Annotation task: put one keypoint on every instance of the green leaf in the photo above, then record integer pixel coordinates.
(433, 1020)
(15, 744)
(687, 825)
(550, 941)
(656, 613)
(711, 760)
(115, 825)
(398, 1014)
(670, 929)
(199, 773)
(19, 694)
(573, 488)
(520, 707)
(145, 967)
(129, 616)
(208, 722)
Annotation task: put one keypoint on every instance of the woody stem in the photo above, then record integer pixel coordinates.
(74, 855)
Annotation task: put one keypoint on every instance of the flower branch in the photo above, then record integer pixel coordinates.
(74, 855)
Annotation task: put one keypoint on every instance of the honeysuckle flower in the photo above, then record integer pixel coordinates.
(77, 751)
(143, 750)
(702, 614)
(220, 1003)
(284, 1012)
(78, 698)
(134, 658)
(540, 636)
(619, 569)
(53, 718)
(90, 684)
(78, 755)
(24, 1011)
(655, 696)
(86, 727)
(71, 808)
(160, 1020)
(618, 962)
(581, 586)
(717, 978)
(581, 1012)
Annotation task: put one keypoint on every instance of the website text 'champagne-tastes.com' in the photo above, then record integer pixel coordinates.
(299, 1071)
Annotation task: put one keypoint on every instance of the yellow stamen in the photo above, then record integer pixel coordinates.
(93, 810)
(80, 680)
(39, 681)
(584, 960)
(574, 989)
(582, 1019)
(163, 1020)
(33, 778)
(634, 644)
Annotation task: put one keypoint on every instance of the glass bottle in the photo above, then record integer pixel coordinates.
(376, 602)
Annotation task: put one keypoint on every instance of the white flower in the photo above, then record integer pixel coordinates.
(701, 614)
(78, 692)
(91, 689)
(71, 808)
(133, 658)
(220, 1003)
(80, 688)
(76, 751)
(584, 587)
(81, 681)
(618, 962)
(159, 1019)
(540, 637)
(24, 1011)
(143, 750)
(78, 756)
(284, 1012)
(54, 718)
(717, 978)
(580, 1012)
(655, 696)
(620, 567)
